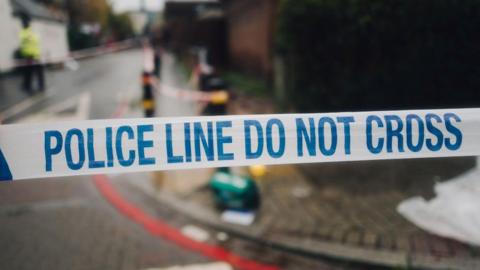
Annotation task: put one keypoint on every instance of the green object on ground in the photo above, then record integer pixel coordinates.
(234, 192)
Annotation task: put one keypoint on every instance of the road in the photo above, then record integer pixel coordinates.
(104, 78)
(72, 223)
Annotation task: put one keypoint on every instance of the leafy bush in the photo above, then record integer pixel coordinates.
(378, 54)
(246, 84)
(120, 26)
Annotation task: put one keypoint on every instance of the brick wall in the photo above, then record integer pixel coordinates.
(250, 25)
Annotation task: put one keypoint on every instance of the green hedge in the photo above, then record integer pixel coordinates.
(379, 54)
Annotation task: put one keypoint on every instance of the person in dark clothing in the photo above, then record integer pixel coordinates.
(157, 45)
(30, 54)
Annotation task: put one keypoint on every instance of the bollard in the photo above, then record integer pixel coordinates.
(219, 96)
(230, 191)
(148, 97)
(157, 63)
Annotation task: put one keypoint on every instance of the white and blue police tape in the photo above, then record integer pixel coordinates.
(129, 145)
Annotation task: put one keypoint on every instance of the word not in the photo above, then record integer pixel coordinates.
(325, 132)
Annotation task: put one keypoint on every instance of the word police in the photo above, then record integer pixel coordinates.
(322, 136)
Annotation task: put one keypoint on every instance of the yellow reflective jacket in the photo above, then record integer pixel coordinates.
(29, 44)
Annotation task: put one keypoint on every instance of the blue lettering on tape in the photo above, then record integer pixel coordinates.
(131, 153)
(394, 131)
(188, 142)
(92, 163)
(374, 149)
(202, 141)
(222, 139)
(81, 149)
(171, 157)
(206, 141)
(249, 152)
(5, 174)
(307, 136)
(321, 137)
(346, 120)
(52, 150)
(109, 137)
(434, 131)
(453, 130)
(143, 143)
(421, 133)
(281, 138)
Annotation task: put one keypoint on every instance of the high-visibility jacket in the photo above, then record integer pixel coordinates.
(29, 44)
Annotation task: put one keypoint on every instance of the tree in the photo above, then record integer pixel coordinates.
(377, 54)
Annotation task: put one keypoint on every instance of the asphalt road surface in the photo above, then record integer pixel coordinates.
(69, 223)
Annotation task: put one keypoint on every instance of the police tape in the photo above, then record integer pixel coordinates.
(132, 145)
(215, 97)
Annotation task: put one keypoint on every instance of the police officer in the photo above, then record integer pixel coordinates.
(30, 53)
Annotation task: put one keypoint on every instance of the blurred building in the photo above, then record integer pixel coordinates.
(197, 23)
(239, 33)
(139, 19)
(50, 25)
(251, 27)
(143, 19)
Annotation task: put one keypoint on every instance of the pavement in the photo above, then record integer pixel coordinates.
(106, 80)
(118, 222)
(331, 211)
(317, 216)
(344, 211)
(66, 224)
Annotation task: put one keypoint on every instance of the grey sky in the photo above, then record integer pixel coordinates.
(126, 5)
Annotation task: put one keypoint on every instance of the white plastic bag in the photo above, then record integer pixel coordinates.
(453, 213)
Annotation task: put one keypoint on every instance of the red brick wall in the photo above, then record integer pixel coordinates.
(250, 25)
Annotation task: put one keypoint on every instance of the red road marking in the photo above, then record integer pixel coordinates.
(161, 229)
